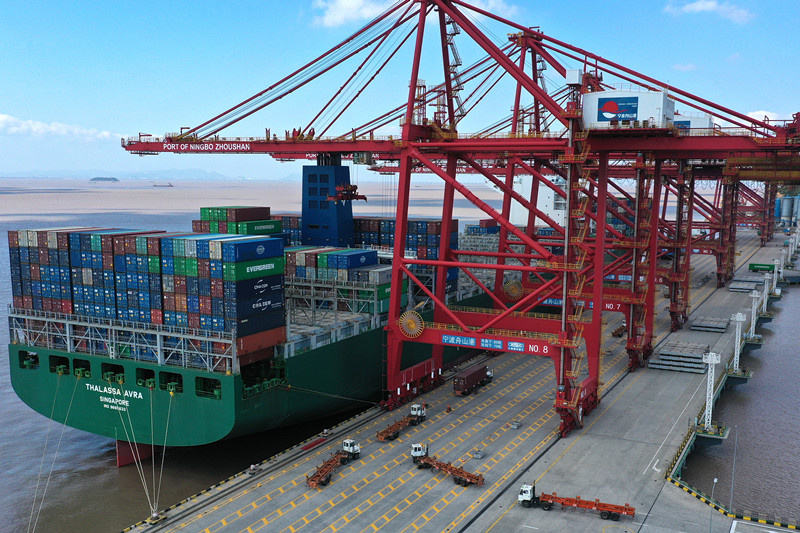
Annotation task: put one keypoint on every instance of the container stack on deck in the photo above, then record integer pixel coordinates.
(292, 224)
(226, 279)
(214, 282)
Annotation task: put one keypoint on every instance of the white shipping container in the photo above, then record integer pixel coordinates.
(380, 275)
(604, 109)
(699, 124)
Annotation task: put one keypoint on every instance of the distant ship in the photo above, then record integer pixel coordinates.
(103, 178)
(163, 185)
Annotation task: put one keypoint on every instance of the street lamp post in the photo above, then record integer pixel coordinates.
(733, 470)
(711, 520)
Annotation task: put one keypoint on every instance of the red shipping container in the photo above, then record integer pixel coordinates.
(197, 226)
(487, 223)
(47, 304)
(311, 259)
(219, 347)
(168, 300)
(35, 272)
(205, 305)
(44, 256)
(13, 239)
(17, 302)
(107, 244)
(180, 303)
(66, 307)
(27, 302)
(422, 252)
(130, 244)
(253, 357)
(203, 268)
(156, 317)
(41, 239)
(217, 288)
(194, 320)
(291, 258)
(62, 240)
(180, 285)
(108, 261)
(290, 270)
(223, 227)
(260, 340)
(247, 214)
(120, 246)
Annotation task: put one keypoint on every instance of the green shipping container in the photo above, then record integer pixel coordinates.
(96, 243)
(191, 266)
(141, 246)
(205, 213)
(153, 264)
(213, 226)
(384, 291)
(761, 267)
(252, 269)
(180, 266)
(259, 227)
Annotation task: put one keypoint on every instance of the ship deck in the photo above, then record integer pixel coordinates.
(619, 456)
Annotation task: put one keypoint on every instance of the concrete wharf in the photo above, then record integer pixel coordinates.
(620, 456)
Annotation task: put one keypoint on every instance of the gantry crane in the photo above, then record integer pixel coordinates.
(549, 137)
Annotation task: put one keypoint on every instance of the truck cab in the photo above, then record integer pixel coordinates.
(418, 451)
(352, 448)
(527, 495)
(418, 412)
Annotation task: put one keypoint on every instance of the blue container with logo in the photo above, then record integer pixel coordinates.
(251, 248)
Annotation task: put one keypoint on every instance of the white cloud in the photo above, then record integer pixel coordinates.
(726, 10)
(686, 67)
(759, 115)
(338, 12)
(497, 7)
(14, 126)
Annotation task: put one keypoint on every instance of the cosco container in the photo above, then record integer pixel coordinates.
(256, 323)
(244, 308)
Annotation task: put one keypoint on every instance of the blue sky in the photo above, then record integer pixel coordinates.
(76, 76)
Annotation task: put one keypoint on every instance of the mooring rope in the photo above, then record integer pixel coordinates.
(136, 459)
(55, 455)
(44, 453)
(163, 454)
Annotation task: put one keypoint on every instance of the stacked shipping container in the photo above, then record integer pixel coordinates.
(212, 282)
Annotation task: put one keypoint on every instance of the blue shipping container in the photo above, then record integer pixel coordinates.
(251, 248)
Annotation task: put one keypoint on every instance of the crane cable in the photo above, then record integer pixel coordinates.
(44, 452)
(55, 455)
(302, 77)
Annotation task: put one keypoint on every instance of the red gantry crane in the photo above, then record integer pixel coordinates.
(581, 139)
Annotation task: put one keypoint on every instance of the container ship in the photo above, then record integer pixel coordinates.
(183, 339)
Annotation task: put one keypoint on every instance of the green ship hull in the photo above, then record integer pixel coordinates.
(207, 406)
